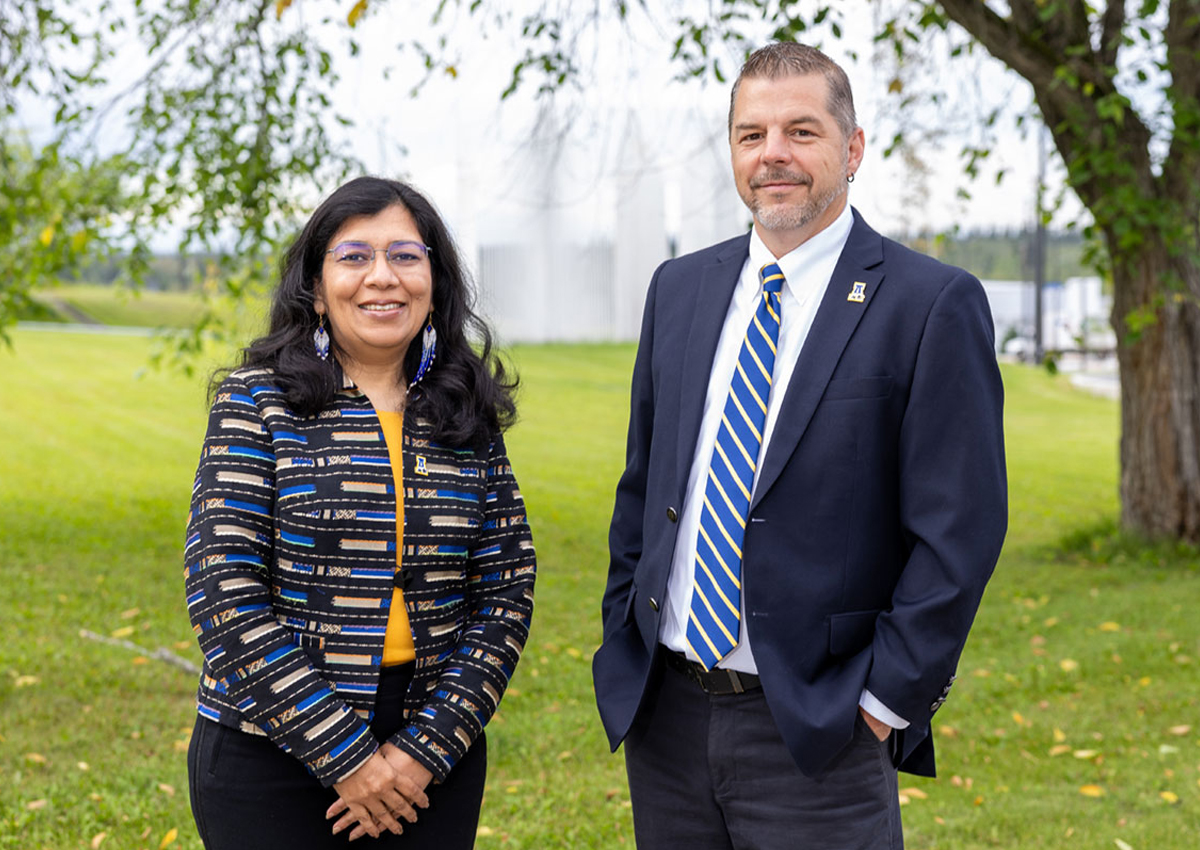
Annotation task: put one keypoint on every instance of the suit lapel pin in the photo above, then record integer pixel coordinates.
(859, 293)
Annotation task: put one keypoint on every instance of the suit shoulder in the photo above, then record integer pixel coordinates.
(925, 279)
(899, 255)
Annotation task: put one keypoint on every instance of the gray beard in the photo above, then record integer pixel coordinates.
(793, 216)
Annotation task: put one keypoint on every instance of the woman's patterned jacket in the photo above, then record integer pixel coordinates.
(290, 563)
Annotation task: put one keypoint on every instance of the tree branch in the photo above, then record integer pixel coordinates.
(1112, 22)
(1075, 92)
(1066, 27)
(1003, 38)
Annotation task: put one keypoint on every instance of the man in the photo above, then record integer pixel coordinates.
(813, 501)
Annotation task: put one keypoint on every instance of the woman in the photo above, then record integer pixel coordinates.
(359, 568)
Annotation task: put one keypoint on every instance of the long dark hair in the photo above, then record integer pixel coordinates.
(466, 395)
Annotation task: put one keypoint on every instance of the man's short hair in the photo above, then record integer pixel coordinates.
(788, 58)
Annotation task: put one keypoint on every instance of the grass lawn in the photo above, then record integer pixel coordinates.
(1075, 722)
(117, 305)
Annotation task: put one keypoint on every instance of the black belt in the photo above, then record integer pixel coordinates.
(715, 681)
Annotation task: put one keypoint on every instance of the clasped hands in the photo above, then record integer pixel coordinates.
(389, 785)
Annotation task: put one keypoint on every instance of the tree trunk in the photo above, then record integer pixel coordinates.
(1160, 391)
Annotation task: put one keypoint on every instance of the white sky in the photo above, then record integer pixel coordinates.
(473, 154)
(479, 158)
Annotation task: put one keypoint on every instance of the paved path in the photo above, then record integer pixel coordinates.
(72, 312)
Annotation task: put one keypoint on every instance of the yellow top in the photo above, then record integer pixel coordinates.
(398, 645)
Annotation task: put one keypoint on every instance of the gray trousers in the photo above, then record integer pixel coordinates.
(712, 773)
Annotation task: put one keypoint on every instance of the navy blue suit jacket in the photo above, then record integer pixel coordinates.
(880, 506)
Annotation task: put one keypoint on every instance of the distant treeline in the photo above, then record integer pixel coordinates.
(165, 272)
(1004, 254)
(989, 255)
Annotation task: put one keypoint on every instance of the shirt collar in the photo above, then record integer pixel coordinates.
(822, 247)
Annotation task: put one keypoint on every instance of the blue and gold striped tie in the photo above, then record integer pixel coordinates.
(715, 616)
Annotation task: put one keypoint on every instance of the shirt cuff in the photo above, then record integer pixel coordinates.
(879, 711)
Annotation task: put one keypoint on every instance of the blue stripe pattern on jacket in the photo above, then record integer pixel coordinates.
(289, 564)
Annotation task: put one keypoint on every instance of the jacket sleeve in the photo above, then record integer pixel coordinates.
(953, 504)
(629, 507)
(251, 660)
(499, 595)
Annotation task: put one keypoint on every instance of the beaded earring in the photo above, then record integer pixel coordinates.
(428, 351)
(321, 339)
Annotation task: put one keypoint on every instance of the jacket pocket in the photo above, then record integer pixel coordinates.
(851, 632)
(848, 388)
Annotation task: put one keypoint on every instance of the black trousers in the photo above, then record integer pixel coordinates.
(247, 794)
(712, 773)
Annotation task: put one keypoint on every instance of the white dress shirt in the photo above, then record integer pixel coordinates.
(807, 270)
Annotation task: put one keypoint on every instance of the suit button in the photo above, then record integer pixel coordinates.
(402, 578)
(653, 604)
(672, 515)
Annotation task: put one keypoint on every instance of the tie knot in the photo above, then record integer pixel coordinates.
(772, 277)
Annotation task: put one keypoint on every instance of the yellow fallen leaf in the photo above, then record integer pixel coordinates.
(978, 801)
(573, 652)
(26, 681)
(1018, 718)
(281, 7)
(1110, 626)
(1068, 665)
(36, 758)
(98, 839)
(169, 790)
(1122, 845)
(1170, 796)
(1059, 749)
(139, 659)
(1059, 735)
(947, 731)
(1181, 730)
(168, 839)
(1091, 790)
(1050, 622)
(130, 613)
(124, 631)
(34, 805)
(83, 765)
(356, 12)
(452, 71)
(1145, 681)
(904, 799)
(485, 830)
(1086, 754)
(915, 793)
